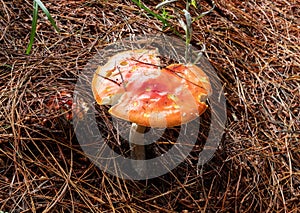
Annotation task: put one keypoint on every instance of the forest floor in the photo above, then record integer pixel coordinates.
(254, 47)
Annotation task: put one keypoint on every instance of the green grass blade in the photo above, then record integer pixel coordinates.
(36, 5)
(189, 28)
(159, 17)
(45, 10)
(194, 3)
(33, 26)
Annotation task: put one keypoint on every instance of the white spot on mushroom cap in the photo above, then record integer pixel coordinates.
(106, 100)
(202, 97)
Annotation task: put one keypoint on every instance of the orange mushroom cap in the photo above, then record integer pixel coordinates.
(109, 81)
(152, 97)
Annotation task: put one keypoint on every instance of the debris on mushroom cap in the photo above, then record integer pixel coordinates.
(110, 80)
(173, 98)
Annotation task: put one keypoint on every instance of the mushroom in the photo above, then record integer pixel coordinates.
(143, 92)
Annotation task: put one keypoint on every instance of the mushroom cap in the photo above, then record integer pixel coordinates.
(175, 97)
(153, 97)
(109, 81)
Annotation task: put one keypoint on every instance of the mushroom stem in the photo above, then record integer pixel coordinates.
(136, 142)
